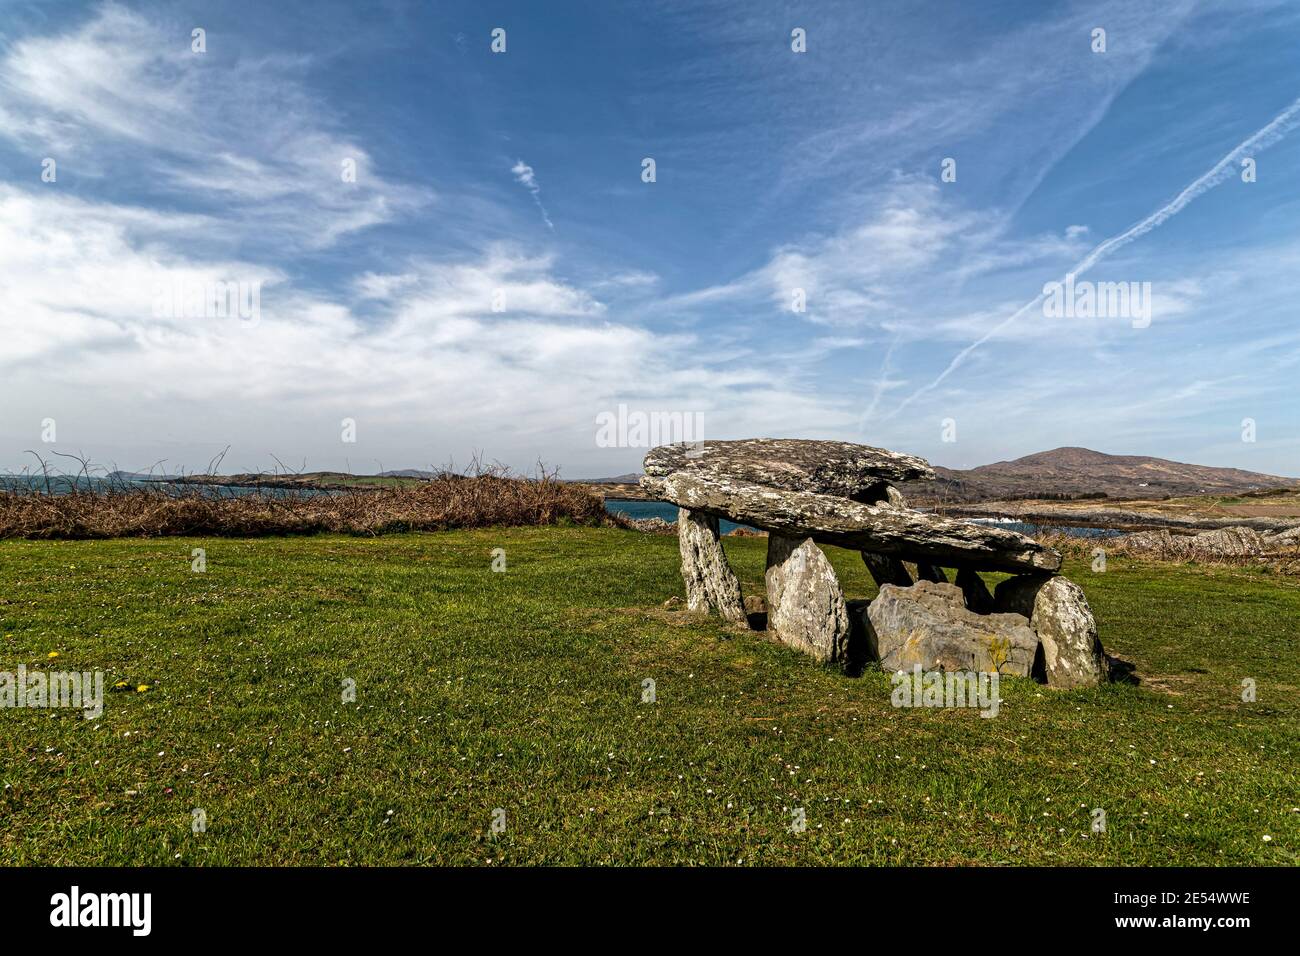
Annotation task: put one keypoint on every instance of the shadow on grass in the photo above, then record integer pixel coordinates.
(1122, 671)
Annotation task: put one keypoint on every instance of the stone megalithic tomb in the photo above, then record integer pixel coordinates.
(810, 493)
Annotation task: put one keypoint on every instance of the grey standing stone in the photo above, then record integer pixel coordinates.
(805, 604)
(1059, 612)
(928, 624)
(710, 582)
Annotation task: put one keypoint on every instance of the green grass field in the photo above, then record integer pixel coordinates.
(522, 691)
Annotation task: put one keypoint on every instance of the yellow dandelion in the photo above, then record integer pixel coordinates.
(141, 688)
(52, 654)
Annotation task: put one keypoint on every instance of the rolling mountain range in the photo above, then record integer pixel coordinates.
(1081, 472)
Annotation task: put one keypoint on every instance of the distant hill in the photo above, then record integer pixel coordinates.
(1072, 472)
(138, 476)
(408, 473)
(631, 478)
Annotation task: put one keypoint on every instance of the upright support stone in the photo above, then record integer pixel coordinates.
(805, 604)
(710, 582)
(885, 570)
(975, 591)
(1059, 612)
(931, 572)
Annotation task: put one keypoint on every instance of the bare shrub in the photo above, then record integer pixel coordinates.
(78, 507)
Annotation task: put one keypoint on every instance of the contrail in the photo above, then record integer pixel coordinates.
(1261, 139)
(879, 390)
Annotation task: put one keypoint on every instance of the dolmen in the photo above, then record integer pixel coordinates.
(810, 493)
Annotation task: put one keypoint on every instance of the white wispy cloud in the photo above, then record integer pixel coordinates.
(421, 358)
(899, 268)
(527, 177)
(245, 142)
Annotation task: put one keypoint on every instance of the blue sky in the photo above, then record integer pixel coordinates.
(518, 175)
